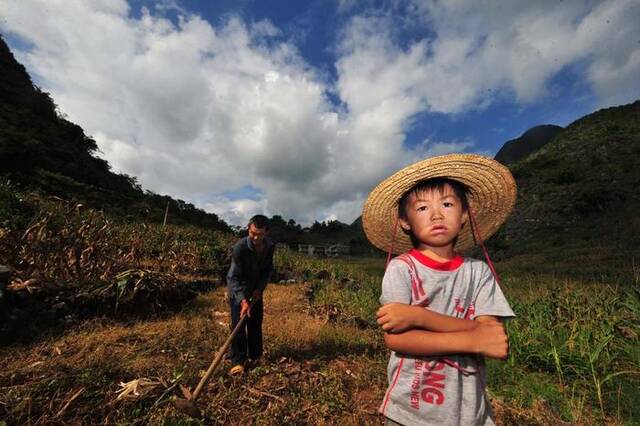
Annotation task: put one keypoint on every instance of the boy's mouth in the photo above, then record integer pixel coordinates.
(438, 229)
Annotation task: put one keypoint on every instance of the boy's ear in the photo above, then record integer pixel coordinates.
(465, 217)
(404, 225)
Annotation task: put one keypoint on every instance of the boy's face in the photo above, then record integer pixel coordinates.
(435, 218)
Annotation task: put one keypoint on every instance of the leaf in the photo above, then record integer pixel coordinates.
(593, 357)
(619, 373)
(136, 388)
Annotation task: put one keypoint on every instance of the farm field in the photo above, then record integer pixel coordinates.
(574, 350)
(573, 357)
(105, 322)
(314, 372)
(112, 296)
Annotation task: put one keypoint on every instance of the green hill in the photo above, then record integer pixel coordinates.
(529, 142)
(40, 150)
(579, 192)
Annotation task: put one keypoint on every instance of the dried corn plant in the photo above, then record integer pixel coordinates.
(104, 265)
(67, 245)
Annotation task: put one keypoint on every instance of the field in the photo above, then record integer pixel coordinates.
(144, 312)
(574, 351)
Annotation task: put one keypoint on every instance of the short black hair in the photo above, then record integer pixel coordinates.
(259, 221)
(433, 184)
(430, 185)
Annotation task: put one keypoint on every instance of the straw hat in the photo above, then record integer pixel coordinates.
(491, 195)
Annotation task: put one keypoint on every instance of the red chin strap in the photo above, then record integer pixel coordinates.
(476, 235)
(393, 242)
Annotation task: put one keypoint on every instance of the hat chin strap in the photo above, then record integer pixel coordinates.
(474, 231)
(393, 241)
(478, 238)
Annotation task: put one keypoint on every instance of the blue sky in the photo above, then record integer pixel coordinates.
(300, 108)
(315, 25)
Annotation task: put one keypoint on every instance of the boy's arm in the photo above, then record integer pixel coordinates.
(399, 317)
(487, 338)
(456, 336)
(487, 318)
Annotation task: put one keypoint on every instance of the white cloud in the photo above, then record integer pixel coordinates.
(197, 110)
(481, 48)
(429, 148)
(521, 45)
(236, 212)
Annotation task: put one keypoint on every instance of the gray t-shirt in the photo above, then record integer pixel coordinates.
(442, 390)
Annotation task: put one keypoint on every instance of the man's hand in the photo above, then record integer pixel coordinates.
(244, 308)
(396, 317)
(491, 340)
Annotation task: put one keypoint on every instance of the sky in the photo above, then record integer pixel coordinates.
(300, 108)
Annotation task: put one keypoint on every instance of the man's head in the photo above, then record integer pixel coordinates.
(258, 228)
(433, 212)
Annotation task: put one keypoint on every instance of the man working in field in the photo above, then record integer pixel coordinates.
(251, 268)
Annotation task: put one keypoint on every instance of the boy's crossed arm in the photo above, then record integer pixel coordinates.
(417, 331)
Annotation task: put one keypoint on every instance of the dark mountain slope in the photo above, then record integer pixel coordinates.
(529, 142)
(581, 189)
(41, 150)
(579, 194)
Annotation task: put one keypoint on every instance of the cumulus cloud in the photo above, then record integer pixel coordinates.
(236, 212)
(200, 111)
(475, 50)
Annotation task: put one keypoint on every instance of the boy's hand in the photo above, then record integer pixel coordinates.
(491, 339)
(244, 308)
(396, 317)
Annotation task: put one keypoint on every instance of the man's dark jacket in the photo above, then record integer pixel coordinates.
(249, 271)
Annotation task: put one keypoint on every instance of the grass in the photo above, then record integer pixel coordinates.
(574, 352)
(574, 355)
(313, 372)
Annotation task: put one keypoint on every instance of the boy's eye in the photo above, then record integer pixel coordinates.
(447, 204)
(421, 208)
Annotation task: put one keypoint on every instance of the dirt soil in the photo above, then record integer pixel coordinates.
(314, 371)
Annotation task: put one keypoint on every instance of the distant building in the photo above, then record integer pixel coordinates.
(329, 250)
(309, 249)
(336, 250)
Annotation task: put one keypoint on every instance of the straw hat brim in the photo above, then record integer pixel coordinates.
(491, 196)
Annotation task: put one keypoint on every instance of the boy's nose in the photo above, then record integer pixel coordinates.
(436, 214)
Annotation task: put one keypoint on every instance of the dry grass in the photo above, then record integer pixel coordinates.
(313, 371)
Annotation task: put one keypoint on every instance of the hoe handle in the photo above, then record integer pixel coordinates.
(220, 355)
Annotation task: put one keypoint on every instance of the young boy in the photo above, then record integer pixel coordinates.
(441, 312)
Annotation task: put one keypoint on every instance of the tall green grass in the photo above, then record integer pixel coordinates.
(574, 346)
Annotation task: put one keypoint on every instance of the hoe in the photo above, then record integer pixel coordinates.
(188, 406)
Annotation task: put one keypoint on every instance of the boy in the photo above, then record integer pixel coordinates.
(249, 273)
(441, 312)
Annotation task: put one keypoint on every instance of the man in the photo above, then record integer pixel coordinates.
(251, 268)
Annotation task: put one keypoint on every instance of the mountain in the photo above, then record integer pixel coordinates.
(580, 190)
(40, 150)
(529, 142)
(577, 192)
